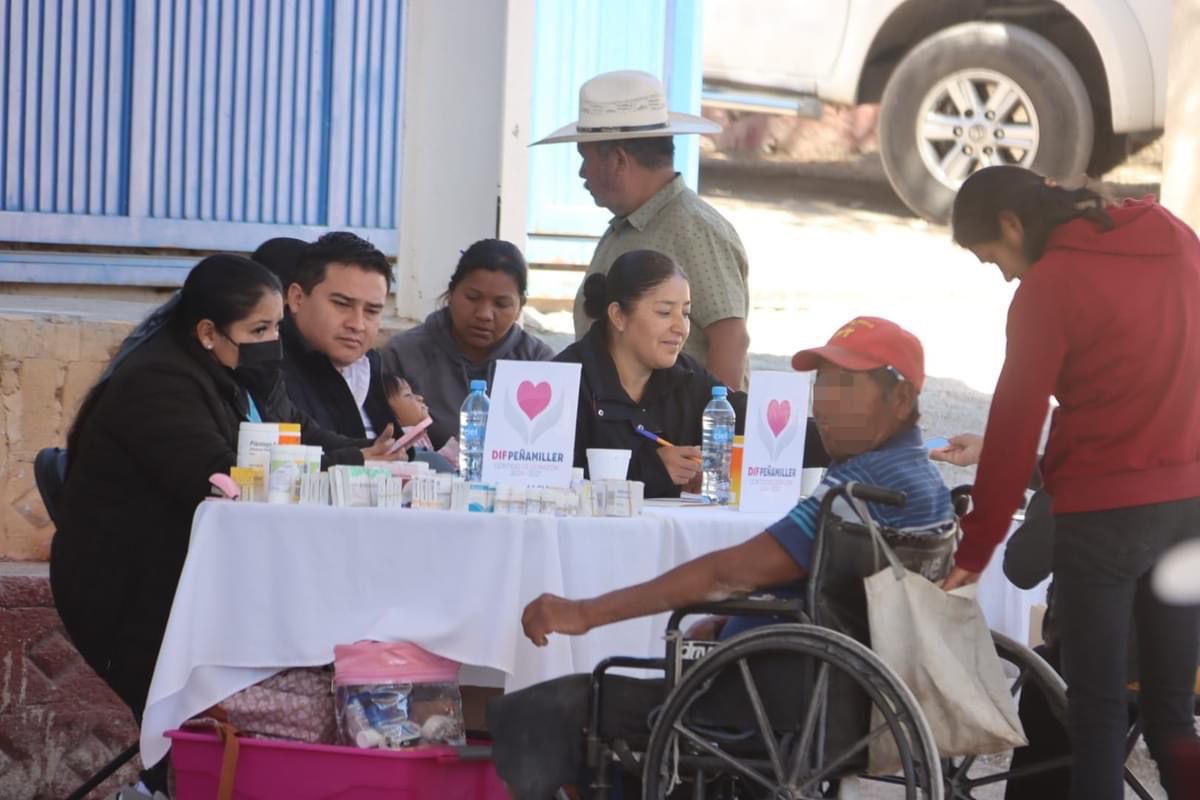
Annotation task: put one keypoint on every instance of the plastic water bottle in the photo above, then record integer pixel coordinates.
(717, 447)
(472, 423)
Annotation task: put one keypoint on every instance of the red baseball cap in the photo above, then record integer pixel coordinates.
(866, 343)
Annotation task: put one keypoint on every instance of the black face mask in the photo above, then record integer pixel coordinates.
(259, 364)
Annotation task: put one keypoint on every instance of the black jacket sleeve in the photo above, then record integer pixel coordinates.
(338, 449)
(814, 448)
(1029, 555)
(377, 408)
(647, 467)
(738, 400)
(165, 405)
(582, 434)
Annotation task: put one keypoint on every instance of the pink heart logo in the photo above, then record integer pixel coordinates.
(533, 399)
(778, 415)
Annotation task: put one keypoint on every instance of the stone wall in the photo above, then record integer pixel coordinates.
(50, 355)
(59, 723)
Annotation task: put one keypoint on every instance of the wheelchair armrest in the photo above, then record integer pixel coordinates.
(751, 606)
(627, 662)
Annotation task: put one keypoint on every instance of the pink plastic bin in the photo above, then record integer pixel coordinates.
(273, 770)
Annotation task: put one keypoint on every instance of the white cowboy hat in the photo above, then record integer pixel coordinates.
(1177, 577)
(626, 105)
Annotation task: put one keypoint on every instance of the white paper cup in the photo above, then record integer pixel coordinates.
(608, 465)
(810, 479)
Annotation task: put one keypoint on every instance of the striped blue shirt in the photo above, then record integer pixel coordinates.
(900, 463)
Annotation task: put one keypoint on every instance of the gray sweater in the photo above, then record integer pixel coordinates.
(431, 362)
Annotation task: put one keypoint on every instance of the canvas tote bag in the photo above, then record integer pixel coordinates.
(939, 644)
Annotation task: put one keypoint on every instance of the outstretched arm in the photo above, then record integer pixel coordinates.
(963, 451)
(757, 563)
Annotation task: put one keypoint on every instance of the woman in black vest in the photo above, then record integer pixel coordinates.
(635, 373)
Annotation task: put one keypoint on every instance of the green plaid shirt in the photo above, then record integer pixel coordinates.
(675, 221)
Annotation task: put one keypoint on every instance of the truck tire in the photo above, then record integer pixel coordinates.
(1109, 151)
(974, 95)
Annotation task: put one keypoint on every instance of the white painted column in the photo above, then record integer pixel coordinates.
(1181, 147)
(467, 82)
(514, 147)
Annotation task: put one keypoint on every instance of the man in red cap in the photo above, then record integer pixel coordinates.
(866, 352)
(869, 376)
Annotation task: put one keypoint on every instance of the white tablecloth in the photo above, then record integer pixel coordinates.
(1007, 608)
(270, 587)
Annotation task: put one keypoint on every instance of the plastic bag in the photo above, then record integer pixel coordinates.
(396, 715)
(396, 694)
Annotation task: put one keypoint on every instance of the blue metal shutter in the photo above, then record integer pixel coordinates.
(64, 106)
(204, 125)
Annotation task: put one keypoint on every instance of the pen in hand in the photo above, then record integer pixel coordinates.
(640, 430)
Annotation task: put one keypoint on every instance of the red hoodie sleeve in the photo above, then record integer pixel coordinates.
(1036, 348)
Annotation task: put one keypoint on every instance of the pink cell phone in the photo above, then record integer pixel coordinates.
(410, 435)
(224, 485)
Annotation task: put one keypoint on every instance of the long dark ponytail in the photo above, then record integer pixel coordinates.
(1040, 205)
(223, 288)
(631, 276)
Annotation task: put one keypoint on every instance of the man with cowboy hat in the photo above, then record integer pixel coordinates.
(624, 136)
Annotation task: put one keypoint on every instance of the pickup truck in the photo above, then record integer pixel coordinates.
(1058, 87)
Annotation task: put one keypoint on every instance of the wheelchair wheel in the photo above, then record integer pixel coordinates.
(965, 778)
(1026, 669)
(795, 743)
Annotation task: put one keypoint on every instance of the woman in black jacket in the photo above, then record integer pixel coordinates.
(142, 448)
(635, 373)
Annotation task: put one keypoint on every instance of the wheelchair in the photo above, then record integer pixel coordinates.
(789, 710)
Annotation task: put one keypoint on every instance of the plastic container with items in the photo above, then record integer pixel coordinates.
(399, 707)
(268, 769)
(396, 695)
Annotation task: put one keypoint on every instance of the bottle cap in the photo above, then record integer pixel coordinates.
(719, 391)
(289, 433)
(478, 386)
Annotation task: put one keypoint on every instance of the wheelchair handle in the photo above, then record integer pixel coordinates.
(877, 494)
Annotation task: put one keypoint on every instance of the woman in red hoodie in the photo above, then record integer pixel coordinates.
(1107, 320)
